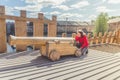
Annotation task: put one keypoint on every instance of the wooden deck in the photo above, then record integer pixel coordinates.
(31, 66)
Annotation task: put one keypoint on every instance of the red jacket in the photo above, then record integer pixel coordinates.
(82, 40)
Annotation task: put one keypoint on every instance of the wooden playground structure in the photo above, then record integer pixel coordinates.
(107, 38)
(21, 25)
(53, 47)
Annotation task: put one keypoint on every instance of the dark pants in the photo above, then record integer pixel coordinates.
(83, 50)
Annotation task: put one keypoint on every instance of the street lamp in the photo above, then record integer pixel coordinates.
(66, 25)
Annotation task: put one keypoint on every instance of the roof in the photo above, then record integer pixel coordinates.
(30, 65)
(114, 20)
(74, 23)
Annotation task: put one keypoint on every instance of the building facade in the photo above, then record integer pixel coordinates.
(114, 24)
(73, 26)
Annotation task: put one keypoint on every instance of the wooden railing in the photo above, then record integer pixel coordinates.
(106, 38)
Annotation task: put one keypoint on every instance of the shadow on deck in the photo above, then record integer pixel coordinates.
(30, 65)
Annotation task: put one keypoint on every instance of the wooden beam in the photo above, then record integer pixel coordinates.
(52, 27)
(3, 47)
(20, 30)
(27, 19)
(38, 27)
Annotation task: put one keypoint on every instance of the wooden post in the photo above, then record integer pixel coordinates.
(95, 39)
(3, 47)
(112, 38)
(52, 27)
(100, 37)
(38, 28)
(118, 36)
(73, 35)
(23, 13)
(109, 37)
(115, 37)
(104, 38)
(20, 29)
(89, 38)
(64, 34)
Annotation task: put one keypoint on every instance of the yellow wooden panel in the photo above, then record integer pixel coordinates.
(38, 31)
(20, 30)
(62, 48)
(52, 28)
(3, 47)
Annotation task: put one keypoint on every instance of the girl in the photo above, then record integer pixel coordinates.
(81, 42)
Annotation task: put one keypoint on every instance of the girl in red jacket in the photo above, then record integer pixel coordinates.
(82, 42)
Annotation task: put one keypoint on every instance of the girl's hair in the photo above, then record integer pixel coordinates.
(81, 32)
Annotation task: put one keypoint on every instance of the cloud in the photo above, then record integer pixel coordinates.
(32, 15)
(80, 4)
(104, 0)
(99, 3)
(37, 5)
(103, 9)
(91, 17)
(52, 2)
(9, 10)
(55, 13)
(114, 1)
(47, 2)
(70, 16)
(32, 8)
(30, 1)
(62, 7)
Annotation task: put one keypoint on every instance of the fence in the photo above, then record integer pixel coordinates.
(21, 25)
(108, 37)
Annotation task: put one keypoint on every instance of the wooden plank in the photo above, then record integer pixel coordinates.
(66, 72)
(50, 70)
(82, 73)
(38, 29)
(62, 48)
(104, 38)
(52, 27)
(100, 37)
(37, 40)
(3, 44)
(20, 30)
(57, 70)
(33, 68)
(110, 74)
(65, 62)
(64, 35)
(3, 47)
(27, 19)
(99, 74)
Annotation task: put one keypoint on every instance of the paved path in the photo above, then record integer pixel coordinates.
(29, 65)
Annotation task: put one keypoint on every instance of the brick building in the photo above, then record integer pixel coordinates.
(114, 24)
(73, 26)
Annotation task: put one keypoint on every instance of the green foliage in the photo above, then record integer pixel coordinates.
(113, 17)
(101, 23)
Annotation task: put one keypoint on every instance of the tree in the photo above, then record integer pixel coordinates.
(113, 17)
(101, 23)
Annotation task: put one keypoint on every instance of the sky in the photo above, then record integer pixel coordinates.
(72, 10)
